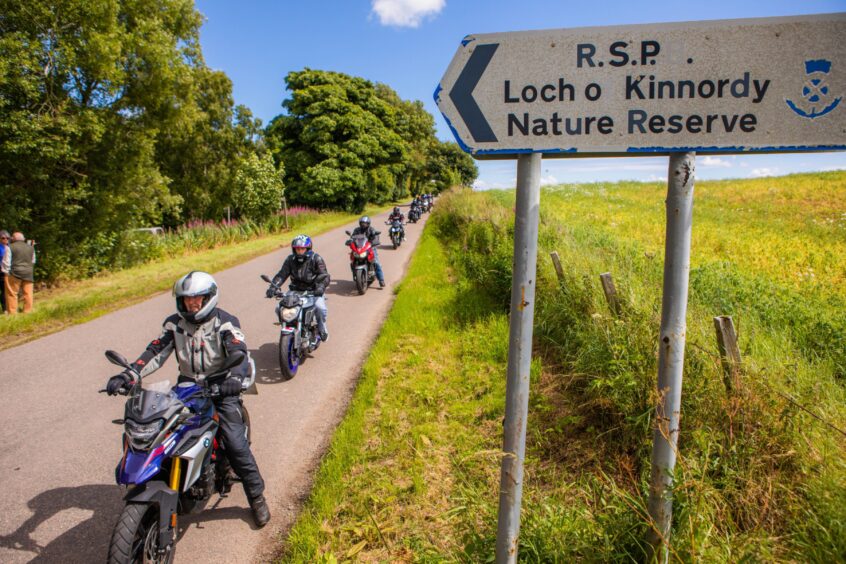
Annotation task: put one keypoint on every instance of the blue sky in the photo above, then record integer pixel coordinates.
(408, 44)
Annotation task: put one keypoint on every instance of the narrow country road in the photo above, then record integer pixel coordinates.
(59, 501)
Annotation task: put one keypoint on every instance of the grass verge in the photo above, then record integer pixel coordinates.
(413, 471)
(81, 301)
(409, 461)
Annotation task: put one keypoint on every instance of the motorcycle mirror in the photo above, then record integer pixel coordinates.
(348, 233)
(266, 278)
(117, 358)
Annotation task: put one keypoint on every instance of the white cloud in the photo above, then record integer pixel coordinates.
(406, 13)
(759, 172)
(481, 184)
(714, 162)
(548, 180)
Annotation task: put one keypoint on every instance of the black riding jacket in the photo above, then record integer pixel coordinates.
(372, 234)
(308, 275)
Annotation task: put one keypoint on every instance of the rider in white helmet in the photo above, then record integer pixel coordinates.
(203, 335)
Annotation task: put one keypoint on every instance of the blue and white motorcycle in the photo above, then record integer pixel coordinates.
(172, 463)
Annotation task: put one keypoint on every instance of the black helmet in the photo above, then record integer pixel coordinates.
(364, 222)
(396, 209)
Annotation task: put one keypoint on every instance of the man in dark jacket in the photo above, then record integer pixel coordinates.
(203, 335)
(397, 215)
(364, 228)
(307, 271)
(19, 267)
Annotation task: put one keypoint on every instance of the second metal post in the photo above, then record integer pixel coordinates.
(671, 348)
(519, 355)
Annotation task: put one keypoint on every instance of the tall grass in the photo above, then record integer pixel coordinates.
(752, 466)
(413, 473)
(118, 251)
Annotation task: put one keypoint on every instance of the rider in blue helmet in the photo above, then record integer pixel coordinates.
(308, 273)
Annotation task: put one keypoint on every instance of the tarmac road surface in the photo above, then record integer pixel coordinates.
(59, 501)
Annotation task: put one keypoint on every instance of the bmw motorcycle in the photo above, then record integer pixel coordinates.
(172, 463)
(396, 232)
(362, 259)
(298, 332)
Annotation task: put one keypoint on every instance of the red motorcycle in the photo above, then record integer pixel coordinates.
(361, 261)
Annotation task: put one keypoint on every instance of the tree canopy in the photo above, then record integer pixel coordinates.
(110, 119)
(346, 141)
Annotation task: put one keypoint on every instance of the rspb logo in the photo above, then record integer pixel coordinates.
(817, 99)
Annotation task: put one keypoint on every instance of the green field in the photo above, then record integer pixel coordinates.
(413, 472)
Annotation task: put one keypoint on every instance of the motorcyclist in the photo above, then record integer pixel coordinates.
(203, 335)
(308, 273)
(397, 215)
(372, 236)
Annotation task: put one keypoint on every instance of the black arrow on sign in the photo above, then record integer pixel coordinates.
(462, 93)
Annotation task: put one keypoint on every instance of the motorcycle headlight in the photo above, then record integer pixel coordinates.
(363, 255)
(142, 434)
(290, 313)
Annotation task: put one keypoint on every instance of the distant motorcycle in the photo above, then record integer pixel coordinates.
(396, 232)
(172, 461)
(362, 261)
(298, 333)
(414, 214)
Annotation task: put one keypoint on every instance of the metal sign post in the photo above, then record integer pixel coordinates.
(671, 347)
(519, 355)
(761, 85)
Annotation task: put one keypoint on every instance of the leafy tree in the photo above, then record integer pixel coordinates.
(336, 141)
(259, 187)
(110, 119)
(449, 165)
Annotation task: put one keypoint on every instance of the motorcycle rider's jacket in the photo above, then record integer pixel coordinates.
(200, 348)
(372, 234)
(396, 217)
(308, 275)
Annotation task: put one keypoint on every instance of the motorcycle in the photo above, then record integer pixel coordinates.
(396, 231)
(298, 332)
(362, 261)
(414, 214)
(172, 461)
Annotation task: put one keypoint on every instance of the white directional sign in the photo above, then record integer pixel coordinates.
(731, 86)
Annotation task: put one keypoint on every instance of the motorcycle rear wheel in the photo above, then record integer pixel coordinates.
(135, 539)
(360, 281)
(289, 357)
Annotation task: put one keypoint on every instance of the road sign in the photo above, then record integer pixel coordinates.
(728, 86)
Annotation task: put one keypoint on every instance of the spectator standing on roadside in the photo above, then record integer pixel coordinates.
(4, 249)
(19, 268)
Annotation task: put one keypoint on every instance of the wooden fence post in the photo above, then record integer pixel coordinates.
(729, 352)
(610, 292)
(556, 262)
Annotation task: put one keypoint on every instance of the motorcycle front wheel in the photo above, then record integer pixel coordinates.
(360, 281)
(289, 356)
(135, 539)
